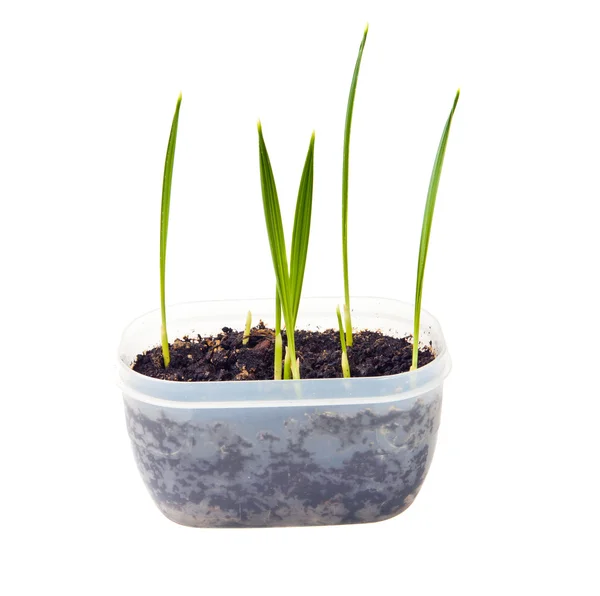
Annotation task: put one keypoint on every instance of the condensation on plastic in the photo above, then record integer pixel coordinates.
(283, 453)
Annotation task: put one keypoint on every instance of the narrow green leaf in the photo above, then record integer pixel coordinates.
(341, 327)
(277, 312)
(164, 227)
(277, 245)
(426, 229)
(345, 170)
(301, 233)
(274, 227)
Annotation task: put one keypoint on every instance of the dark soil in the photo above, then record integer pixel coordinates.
(225, 358)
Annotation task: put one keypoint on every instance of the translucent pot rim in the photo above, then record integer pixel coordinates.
(289, 393)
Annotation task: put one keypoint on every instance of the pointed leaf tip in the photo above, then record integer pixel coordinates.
(456, 98)
(366, 28)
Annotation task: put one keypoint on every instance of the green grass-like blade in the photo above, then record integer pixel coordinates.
(341, 328)
(277, 242)
(345, 169)
(301, 233)
(274, 226)
(426, 229)
(164, 227)
(277, 312)
(289, 280)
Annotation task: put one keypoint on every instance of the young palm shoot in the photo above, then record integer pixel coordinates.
(345, 363)
(164, 227)
(247, 330)
(289, 281)
(426, 229)
(345, 169)
(287, 365)
(278, 340)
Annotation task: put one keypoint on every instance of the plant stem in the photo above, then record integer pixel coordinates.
(426, 228)
(278, 358)
(248, 328)
(277, 311)
(287, 365)
(348, 324)
(291, 351)
(164, 228)
(345, 169)
(278, 341)
(345, 363)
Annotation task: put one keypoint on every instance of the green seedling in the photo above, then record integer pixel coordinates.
(345, 363)
(287, 365)
(278, 340)
(289, 280)
(345, 170)
(426, 229)
(164, 228)
(248, 327)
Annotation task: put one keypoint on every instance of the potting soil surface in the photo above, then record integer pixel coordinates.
(224, 357)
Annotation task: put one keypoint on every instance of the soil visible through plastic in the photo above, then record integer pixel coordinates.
(283, 466)
(224, 357)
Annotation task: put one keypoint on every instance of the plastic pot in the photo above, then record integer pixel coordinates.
(283, 453)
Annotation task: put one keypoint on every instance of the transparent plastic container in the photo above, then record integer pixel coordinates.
(283, 453)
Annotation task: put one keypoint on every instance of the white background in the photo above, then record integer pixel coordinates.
(87, 92)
